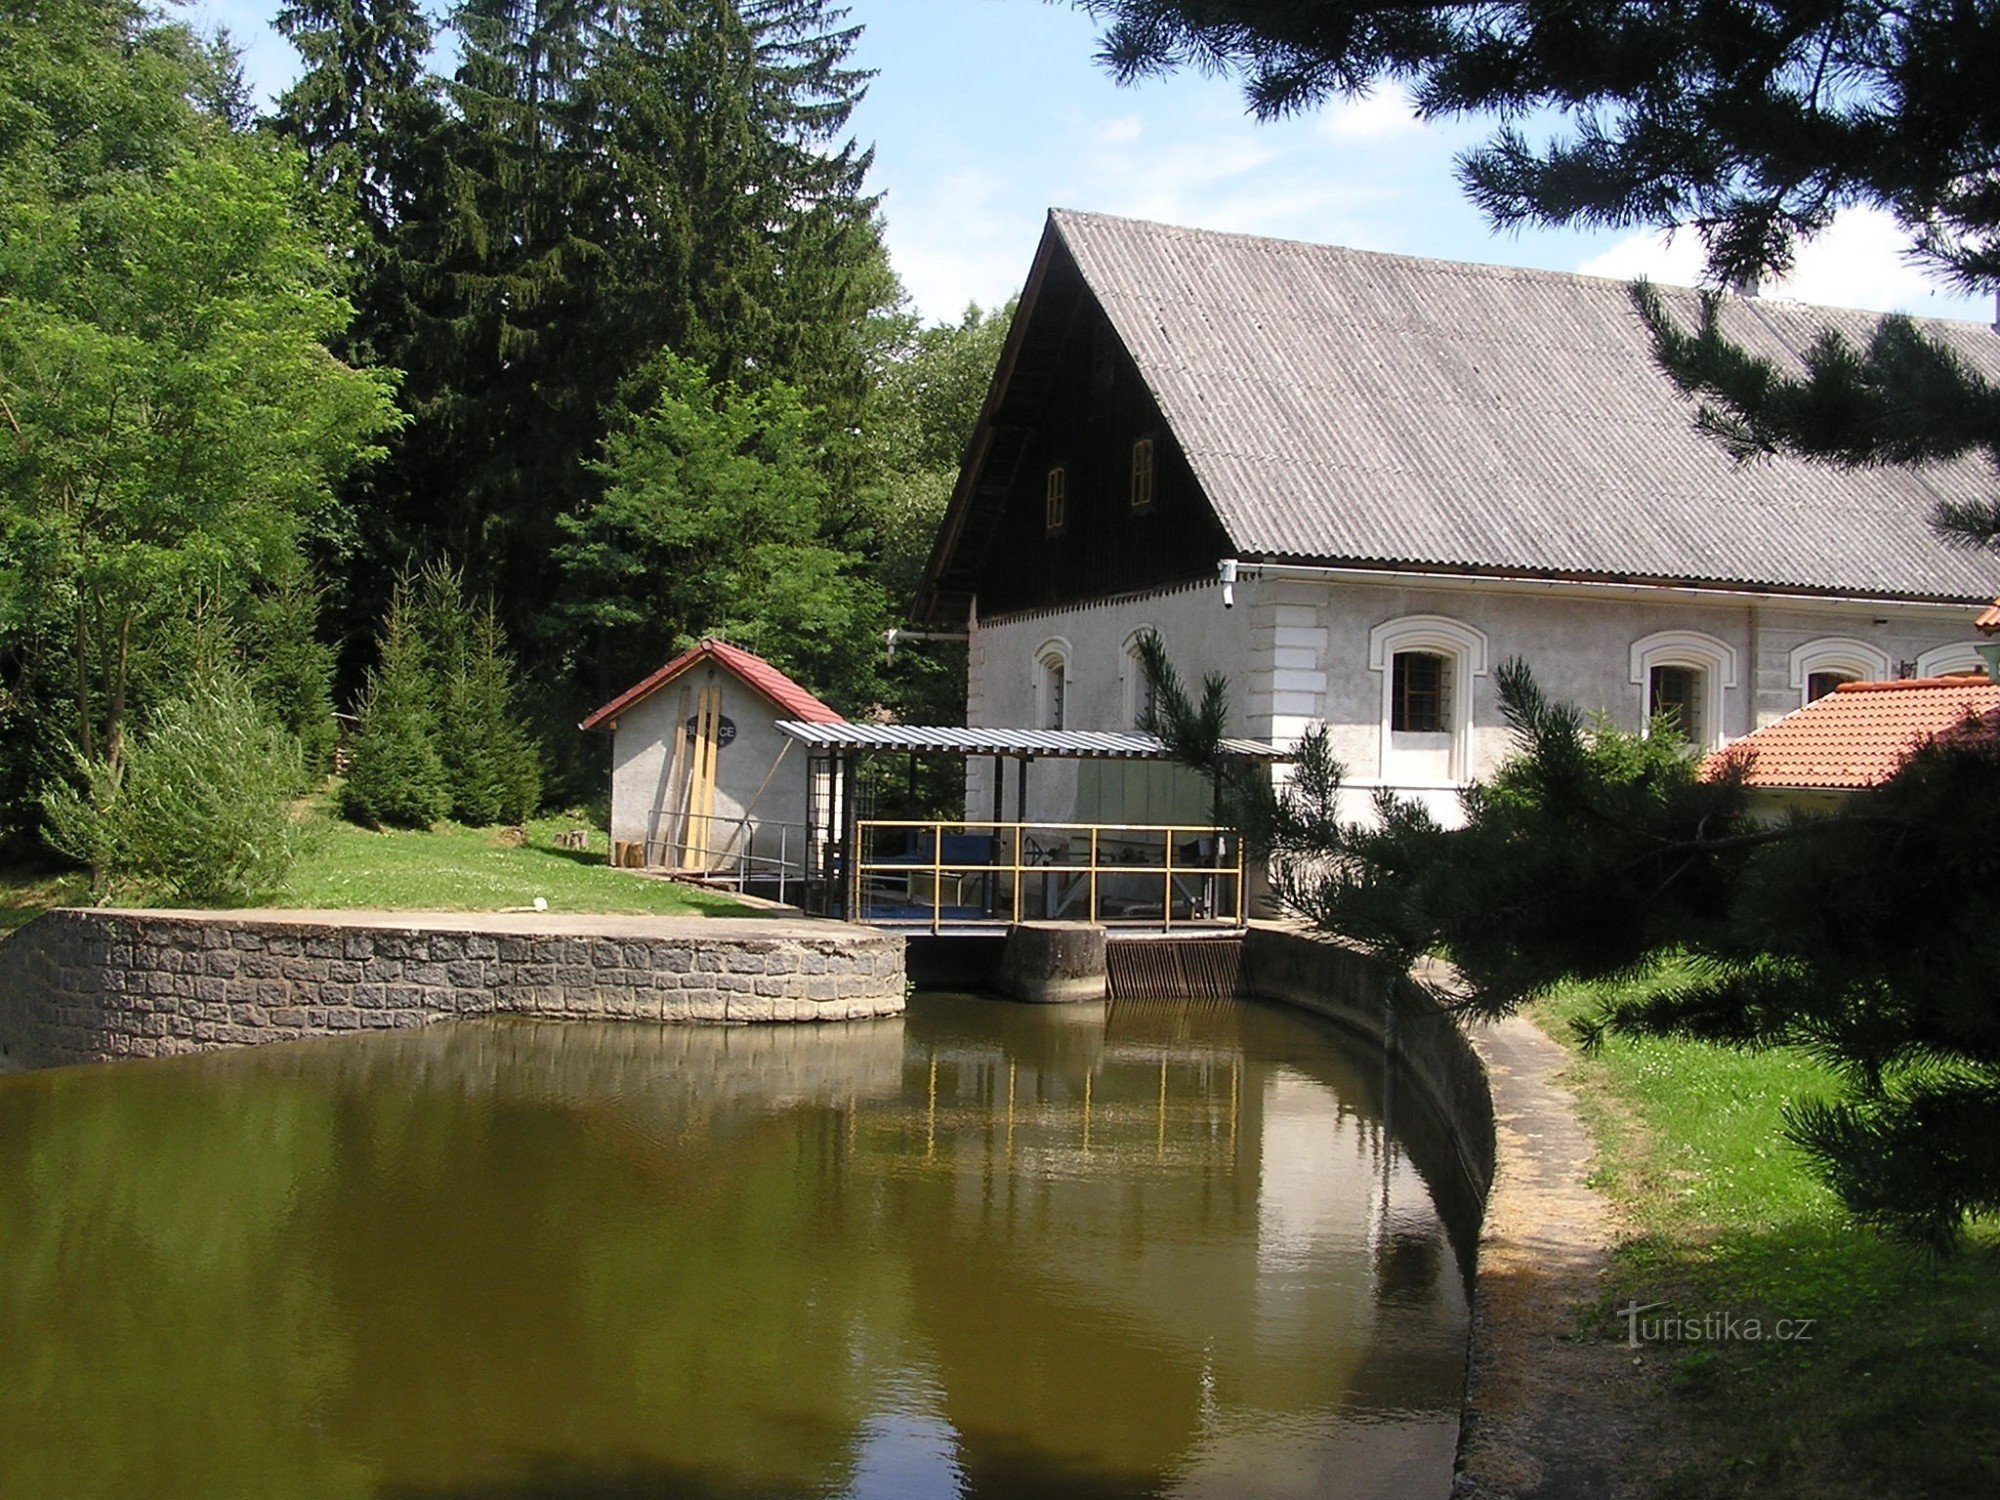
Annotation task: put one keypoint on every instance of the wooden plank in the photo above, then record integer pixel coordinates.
(667, 834)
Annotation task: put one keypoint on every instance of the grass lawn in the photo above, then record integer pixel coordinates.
(1896, 1392)
(447, 868)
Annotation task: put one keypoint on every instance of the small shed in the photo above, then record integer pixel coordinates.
(699, 780)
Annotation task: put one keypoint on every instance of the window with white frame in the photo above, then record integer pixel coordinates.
(1820, 666)
(1944, 661)
(1142, 474)
(1420, 693)
(1051, 684)
(1683, 675)
(1428, 664)
(1138, 688)
(1055, 500)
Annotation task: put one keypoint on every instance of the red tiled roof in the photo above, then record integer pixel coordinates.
(1857, 735)
(751, 669)
(1989, 620)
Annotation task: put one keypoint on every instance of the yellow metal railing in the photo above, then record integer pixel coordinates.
(970, 874)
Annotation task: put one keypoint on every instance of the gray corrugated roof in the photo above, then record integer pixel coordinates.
(1049, 744)
(1342, 405)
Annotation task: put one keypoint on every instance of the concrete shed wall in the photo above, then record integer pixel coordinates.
(643, 758)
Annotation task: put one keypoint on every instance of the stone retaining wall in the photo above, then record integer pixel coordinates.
(82, 986)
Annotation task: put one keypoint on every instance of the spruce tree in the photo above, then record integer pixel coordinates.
(394, 774)
(363, 103)
(291, 671)
(492, 770)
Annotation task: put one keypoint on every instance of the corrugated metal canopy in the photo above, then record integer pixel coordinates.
(1032, 744)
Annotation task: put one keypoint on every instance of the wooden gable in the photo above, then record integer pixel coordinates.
(1067, 395)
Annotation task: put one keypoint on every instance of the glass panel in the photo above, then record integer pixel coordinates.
(1417, 693)
(1676, 693)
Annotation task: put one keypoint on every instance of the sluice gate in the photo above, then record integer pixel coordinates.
(1175, 968)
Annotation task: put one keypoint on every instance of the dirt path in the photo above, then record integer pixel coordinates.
(1555, 1409)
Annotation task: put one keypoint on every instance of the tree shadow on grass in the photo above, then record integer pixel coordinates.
(1819, 1359)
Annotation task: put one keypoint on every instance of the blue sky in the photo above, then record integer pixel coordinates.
(986, 113)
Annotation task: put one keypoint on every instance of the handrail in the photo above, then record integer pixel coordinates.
(1206, 890)
(737, 857)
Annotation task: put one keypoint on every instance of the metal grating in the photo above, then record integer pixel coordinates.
(1174, 968)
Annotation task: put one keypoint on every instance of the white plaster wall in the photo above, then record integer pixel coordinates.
(1296, 651)
(1201, 637)
(642, 757)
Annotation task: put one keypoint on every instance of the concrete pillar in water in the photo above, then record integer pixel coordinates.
(1054, 963)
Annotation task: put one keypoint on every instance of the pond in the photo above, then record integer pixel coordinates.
(981, 1250)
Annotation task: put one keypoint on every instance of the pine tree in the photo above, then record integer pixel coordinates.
(1752, 122)
(362, 104)
(291, 668)
(394, 774)
(492, 771)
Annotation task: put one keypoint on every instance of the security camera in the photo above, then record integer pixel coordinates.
(1225, 570)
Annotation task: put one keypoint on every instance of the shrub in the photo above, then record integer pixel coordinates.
(199, 812)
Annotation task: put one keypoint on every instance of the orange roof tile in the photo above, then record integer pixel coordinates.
(1857, 735)
(794, 701)
(1989, 619)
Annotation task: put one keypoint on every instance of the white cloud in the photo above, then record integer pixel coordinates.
(1674, 259)
(959, 238)
(1124, 129)
(1862, 260)
(1380, 115)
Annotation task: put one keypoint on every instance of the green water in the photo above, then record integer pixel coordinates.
(983, 1250)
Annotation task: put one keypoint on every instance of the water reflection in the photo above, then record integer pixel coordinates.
(984, 1250)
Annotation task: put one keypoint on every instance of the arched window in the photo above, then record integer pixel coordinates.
(1818, 667)
(1428, 663)
(1682, 676)
(1943, 661)
(1138, 691)
(1051, 684)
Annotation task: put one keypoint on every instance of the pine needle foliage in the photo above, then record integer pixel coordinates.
(395, 776)
(1866, 937)
(493, 773)
(1751, 123)
(199, 812)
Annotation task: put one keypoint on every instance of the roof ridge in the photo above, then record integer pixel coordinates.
(1907, 684)
(1086, 217)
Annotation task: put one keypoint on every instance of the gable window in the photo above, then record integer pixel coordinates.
(1055, 500)
(1418, 693)
(1051, 685)
(1674, 696)
(1142, 474)
(1684, 675)
(1428, 665)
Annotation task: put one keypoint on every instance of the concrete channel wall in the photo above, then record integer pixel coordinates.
(1426, 1040)
(84, 986)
